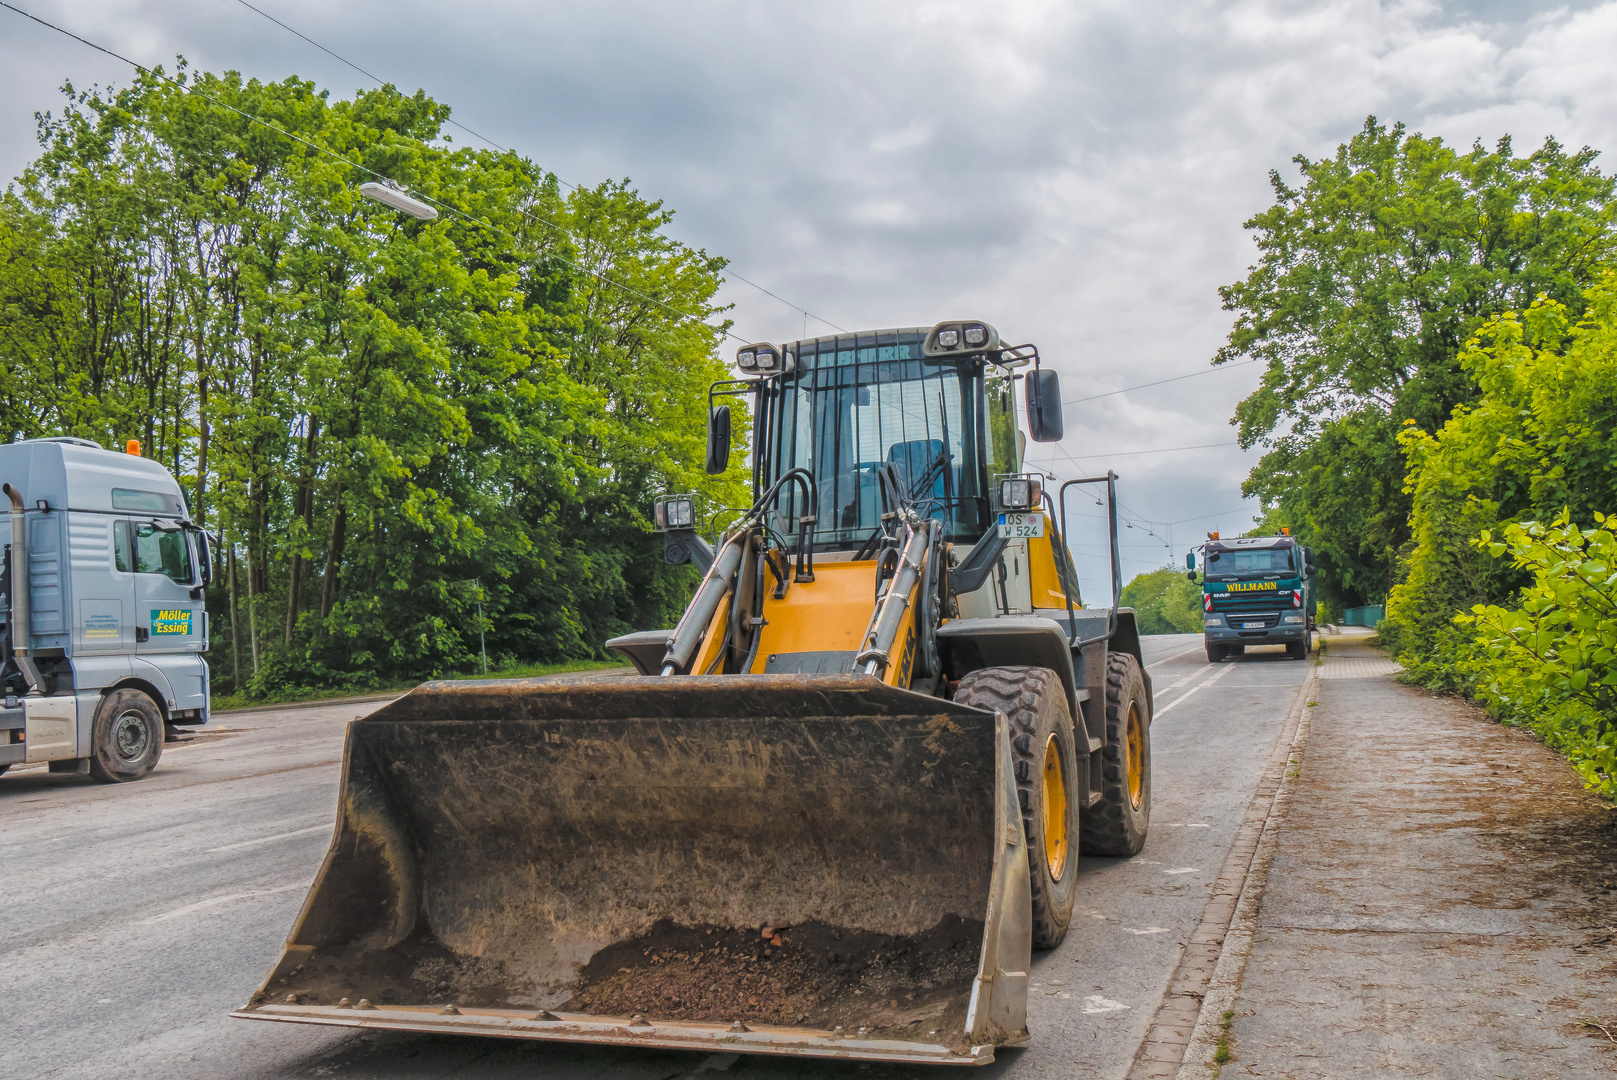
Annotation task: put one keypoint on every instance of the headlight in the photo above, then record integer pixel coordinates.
(747, 360)
(1212, 620)
(1293, 619)
(976, 335)
(673, 512)
(949, 339)
(1015, 494)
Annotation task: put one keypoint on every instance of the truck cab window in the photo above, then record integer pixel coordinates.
(122, 558)
(155, 551)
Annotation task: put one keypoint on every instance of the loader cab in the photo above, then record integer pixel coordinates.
(850, 405)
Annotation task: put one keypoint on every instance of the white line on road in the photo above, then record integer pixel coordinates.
(272, 839)
(1217, 675)
(1175, 656)
(202, 905)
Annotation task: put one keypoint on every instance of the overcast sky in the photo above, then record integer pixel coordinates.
(1075, 173)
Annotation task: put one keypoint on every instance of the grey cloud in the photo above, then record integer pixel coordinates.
(1075, 172)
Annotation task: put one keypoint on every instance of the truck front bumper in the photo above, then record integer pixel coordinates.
(1284, 634)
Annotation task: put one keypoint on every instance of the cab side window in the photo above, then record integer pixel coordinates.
(998, 394)
(154, 551)
(121, 557)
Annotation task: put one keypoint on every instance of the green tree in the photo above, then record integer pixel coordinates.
(1372, 274)
(1165, 602)
(391, 422)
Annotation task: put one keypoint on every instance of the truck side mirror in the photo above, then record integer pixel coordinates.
(1044, 406)
(718, 439)
(204, 559)
(1190, 560)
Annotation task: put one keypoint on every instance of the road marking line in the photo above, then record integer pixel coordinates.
(1175, 656)
(272, 839)
(1147, 930)
(1094, 1003)
(202, 905)
(1217, 675)
(1184, 870)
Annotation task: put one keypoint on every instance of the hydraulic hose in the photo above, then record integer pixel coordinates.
(699, 616)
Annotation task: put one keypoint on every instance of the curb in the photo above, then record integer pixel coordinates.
(284, 706)
(1184, 1031)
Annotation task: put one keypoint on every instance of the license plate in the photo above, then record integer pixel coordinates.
(1251, 626)
(1021, 526)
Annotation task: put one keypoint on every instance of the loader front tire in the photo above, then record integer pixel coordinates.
(126, 737)
(1045, 758)
(1118, 824)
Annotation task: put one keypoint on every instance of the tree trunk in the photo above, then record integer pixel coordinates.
(235, 620)
(302, 507)
(339, 532)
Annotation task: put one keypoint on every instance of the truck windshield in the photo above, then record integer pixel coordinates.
(858, 402)
(1254, 562)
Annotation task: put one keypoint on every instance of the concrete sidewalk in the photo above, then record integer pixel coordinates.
(1440, 901)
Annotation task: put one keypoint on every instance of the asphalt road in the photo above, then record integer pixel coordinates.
(136, 917)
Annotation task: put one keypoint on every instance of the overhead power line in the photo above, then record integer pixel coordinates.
(381, 82)
(1159, 382)
(1132, 453)
(183, 88)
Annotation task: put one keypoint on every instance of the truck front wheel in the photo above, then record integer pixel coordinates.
(126, 737)
(1215, 653)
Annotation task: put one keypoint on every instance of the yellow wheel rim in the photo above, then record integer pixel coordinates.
(1055, 810)
(1136, 752)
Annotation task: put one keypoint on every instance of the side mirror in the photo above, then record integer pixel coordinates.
(1190, 560)
(718, 439)
(204, 560)
(1190, 575)
(1044, 406)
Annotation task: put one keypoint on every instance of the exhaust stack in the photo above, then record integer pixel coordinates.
(18, 622)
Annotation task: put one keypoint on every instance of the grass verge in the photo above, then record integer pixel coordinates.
(222, 702)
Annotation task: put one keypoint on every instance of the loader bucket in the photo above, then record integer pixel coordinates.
(811, 865)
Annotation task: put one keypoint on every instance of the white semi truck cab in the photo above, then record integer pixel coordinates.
(105, 627)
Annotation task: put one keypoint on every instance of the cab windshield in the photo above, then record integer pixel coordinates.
(858, 402)
(1252, 562)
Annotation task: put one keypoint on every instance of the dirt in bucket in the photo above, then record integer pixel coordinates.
(417, 971)
(810, 975)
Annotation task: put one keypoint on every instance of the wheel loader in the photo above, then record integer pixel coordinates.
(840, 802)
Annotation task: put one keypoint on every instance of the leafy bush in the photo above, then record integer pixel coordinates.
(1549, 661)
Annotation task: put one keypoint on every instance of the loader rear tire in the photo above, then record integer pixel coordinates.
(126, 737)
(1118, 824)
(1044, 749)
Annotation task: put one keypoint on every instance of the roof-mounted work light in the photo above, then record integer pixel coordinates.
(395, 196)
(960, 339)
(764, 359)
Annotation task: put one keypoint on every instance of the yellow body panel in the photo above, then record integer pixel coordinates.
(828, 614)
(1043, 579)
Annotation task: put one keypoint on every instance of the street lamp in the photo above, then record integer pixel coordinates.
(393, 195)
